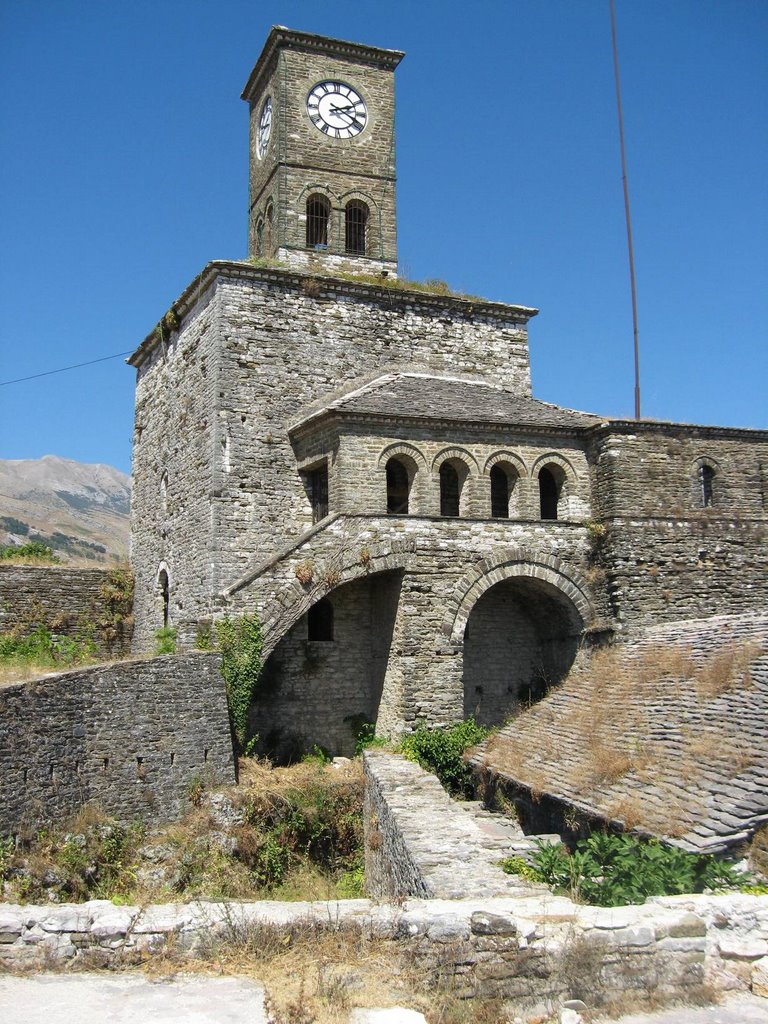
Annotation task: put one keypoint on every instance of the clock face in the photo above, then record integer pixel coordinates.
(265, 127)
(335, 109)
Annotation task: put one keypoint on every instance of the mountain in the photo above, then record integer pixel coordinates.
(80, 510)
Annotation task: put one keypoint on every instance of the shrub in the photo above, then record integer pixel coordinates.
(440, 751)
(165, 640)
(614, 870)
(34, 551)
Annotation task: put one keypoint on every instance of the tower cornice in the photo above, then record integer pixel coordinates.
(284, 38)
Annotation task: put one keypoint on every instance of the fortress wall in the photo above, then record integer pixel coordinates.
(66, 600)
(129, 737)
(666, 557)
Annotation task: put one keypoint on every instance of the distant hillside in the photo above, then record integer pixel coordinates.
(80, 510)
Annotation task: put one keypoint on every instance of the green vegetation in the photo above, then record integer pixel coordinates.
(614, 870)
(284, 833)
(165, 640)
(441, 751)
(240, 642)
(34, 551)
(14, 525)
(41, 649)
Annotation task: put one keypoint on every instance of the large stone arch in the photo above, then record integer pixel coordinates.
(344, 564)
(513, 564)
(518, 623)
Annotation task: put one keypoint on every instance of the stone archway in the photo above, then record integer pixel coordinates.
(518, 621)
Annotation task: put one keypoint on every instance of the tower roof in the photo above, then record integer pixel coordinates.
(285, 38)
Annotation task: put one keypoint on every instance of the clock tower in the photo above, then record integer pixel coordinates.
(322, 153)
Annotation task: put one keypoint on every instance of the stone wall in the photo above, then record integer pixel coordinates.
(665, 556)
(129, 736)
(67, 600)
(215, 398)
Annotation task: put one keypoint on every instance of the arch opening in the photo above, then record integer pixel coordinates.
(318, 218)
(706, 485)
(453, 474)
(551, 480)
(164, 593)
(322, 693)
(521, 638)
(504, 481)
(399, 479)
(355, 227)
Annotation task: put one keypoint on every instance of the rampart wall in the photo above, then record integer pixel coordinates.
(67, 600)
(129, 736)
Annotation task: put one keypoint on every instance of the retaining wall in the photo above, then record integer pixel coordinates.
(129, 736)
(63, 598)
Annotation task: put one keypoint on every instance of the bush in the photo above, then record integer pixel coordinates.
(614, 870)
(165, 640)
(440, 751)
(34, 551)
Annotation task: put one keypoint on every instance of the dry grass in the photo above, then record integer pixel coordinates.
(619, 723)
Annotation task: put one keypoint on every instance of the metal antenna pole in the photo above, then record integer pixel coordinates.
(626, 211)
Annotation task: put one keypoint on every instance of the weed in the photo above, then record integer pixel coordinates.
(441, 751)
(240, 642)
(165, 640)
(305, 572)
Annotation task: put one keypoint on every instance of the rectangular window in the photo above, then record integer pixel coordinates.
(318, 492)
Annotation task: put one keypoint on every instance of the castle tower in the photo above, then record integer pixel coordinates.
(322, 153)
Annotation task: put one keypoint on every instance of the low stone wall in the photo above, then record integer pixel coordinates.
(61, 597)
(537, 951)
(128, 736)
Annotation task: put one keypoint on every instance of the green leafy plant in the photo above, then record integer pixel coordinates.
(34, 551)
(614, 870)
(165, 640)
(240, 642)
(441, 751)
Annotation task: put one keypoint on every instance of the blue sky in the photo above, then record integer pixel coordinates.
(123, 147)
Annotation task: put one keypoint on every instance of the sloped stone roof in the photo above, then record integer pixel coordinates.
(421, 396)
(666, 734)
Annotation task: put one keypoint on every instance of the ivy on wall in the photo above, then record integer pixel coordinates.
(240, 642)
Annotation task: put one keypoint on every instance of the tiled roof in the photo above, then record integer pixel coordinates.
(422, 396)
(669, 737)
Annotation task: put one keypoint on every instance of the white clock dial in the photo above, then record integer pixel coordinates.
(335, 109)
(265, 127)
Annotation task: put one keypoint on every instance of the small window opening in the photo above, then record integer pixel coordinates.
(449, 490)
(355, 223)
(318, 215)
(549, 493)
(318, 493)
(260, 238)
(706, 482)
(165, 593)
(398, 487)
(270, 220)
(499, 493)
(320, 621)
(205, 754)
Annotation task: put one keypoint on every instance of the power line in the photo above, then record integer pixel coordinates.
(61, 369)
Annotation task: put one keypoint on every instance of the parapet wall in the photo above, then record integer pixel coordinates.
(129, 736)
(67, 600)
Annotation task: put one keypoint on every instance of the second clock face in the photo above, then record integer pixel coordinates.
(265, 127)
(335, 109)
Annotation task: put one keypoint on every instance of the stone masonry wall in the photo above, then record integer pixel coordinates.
(65, 599)
(665, 556)
(129, 736)
(254, 347)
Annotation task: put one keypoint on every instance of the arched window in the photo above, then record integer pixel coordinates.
(259, 237)
(549, 492)
(398, 488)
(706, 485)
(165, 594)
(320, 621)
(355, 227)
(318, 216)
(450, 489)
(269, 218)
(500, 491)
